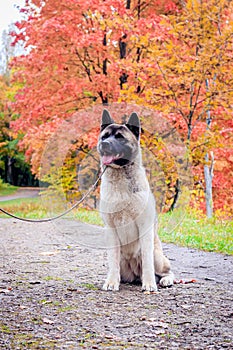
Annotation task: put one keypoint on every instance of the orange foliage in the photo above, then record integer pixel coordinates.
(159, 54)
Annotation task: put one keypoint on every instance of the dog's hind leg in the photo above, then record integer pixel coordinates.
(162, 265)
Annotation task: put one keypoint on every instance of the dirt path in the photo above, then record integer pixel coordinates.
(51, 297)
(23, 192)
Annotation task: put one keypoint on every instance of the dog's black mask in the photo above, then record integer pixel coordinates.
(118, 144)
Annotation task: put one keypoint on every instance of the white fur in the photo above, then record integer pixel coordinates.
(128, 210)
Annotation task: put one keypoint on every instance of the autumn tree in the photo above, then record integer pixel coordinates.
(13, 168)
(188, 75)
(76, 57)
(160, 54)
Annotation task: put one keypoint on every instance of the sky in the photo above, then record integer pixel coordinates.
(9, 13)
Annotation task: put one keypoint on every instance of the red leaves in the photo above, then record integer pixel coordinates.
(68, 68)
(5, 290)
(185, 281)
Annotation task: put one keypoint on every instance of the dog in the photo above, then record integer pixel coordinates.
(127, 207)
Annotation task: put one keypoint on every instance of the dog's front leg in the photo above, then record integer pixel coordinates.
(112, 281)
(147, 253)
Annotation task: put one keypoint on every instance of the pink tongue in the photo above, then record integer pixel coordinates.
(107, 159)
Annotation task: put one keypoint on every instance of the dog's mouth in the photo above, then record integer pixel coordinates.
(108, 159)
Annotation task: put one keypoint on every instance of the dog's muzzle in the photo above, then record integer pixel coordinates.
(106, 146)
(108, 154)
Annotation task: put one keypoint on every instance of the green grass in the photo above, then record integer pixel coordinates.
(24, 208)
(199, 232)
(186, 228)
(89, 216)
(33, 208)
(6, 189)
(20, 202)
(89, 286)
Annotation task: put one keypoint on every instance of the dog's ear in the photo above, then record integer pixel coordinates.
(133, 124)
(106, 120)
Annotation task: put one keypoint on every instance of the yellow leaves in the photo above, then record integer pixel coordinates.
(3, 144)
(166, 162)
(144, 40)
(148, 95)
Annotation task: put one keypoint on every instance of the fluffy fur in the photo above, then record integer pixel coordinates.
(127, 206)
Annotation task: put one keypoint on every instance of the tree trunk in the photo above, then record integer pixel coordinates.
(208, 172)
(9, 170)
(208, 169)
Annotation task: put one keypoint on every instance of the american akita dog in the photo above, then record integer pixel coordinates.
(127, 206)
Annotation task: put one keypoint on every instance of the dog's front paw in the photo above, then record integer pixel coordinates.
(111, 285)
(149, 286)
(167, 281)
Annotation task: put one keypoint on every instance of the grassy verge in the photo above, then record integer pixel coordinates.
(6, 189)
(24, 208)
(187, 228)
(33, 208)
(198, 232)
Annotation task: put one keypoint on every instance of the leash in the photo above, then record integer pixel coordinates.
(93, 187)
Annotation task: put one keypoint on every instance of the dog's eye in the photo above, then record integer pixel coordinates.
(119, 136)
(105, 136)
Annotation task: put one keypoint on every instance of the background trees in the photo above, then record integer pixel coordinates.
(13, 168)
(174, 57)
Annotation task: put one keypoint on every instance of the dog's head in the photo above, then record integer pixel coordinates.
(118, 143)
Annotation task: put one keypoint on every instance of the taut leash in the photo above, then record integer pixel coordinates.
(65, 212)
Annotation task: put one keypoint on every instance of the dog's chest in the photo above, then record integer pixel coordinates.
(122, 199)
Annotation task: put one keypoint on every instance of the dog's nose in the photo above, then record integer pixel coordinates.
(106, 146)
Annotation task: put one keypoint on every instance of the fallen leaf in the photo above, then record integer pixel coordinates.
(147, 292)
(71, 289)
(5, 291)
(210, 279)
(46, 302)
(143, 318)
(124, 325)
(109, 336)
(153, 322)
(47, 321)
(185, 281)
(155, 332)
(50, 253)
(23, 307)
(159, 331)
(186, 307)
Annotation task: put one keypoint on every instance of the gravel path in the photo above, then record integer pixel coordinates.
(23, 192)
(51, 297)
